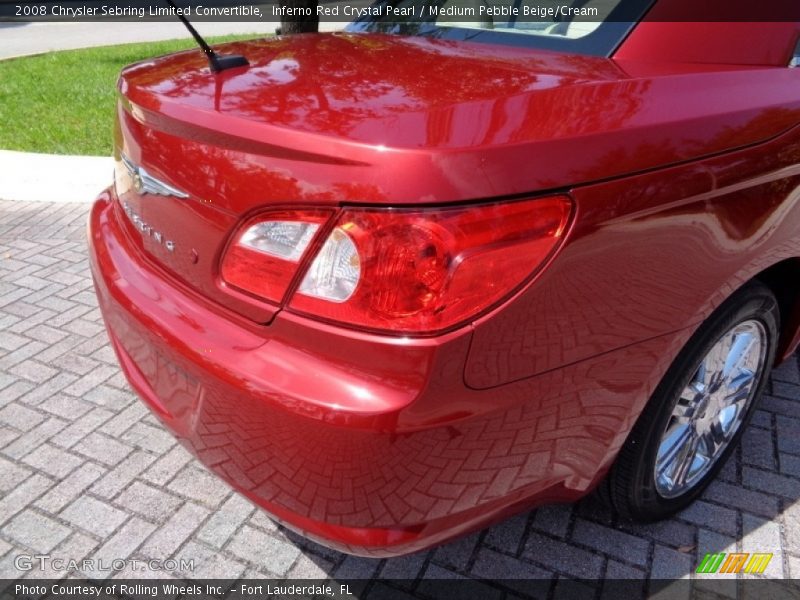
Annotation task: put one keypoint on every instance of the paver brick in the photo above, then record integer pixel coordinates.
(790, 465)
(357, 567)
(21, 356)
(32, 371)
(22, 495)
(46, 334)
(671, 532)
(14, 391)
(12, 341)
(75, 548)
(670, 564)
(30, 441)
(712, 542)
(52, 460)
(563, 557)
(311, 567)
(37, 532)
(225, 521)
(209, 564)
(490, 564)
(710, 515)
(168, 465)
(125, 419)
(153, 504)
(457, 554)
(20, 417)
(772, 483)
(122, 474)
(269, 553)
(102, 448)
(507, 535)
(736, 496)
(554, 519)
(147, 437)
(7, 435)
(94, 516)
(11, 475)
(614, 543)
(406, 568)
(200, 485)
(121, 545)
(757, 448)
(764, 536)
(52, 387)
(66, 407)
(74, 363)
(69, 488)
(182, 524)
(86, 386)
(794, 567)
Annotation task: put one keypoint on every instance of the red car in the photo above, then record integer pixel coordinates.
(399, 283)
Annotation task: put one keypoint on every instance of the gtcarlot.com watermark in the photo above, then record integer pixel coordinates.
(46, 562)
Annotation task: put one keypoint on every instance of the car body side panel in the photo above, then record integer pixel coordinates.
(371, 464)
(649, 254)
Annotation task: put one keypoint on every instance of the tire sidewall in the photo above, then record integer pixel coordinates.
(754, 302)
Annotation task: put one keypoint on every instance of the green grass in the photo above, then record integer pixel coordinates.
(63, 102)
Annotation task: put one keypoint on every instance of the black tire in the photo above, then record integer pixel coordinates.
(630, 488)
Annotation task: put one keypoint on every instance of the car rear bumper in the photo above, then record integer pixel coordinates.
(370, 445)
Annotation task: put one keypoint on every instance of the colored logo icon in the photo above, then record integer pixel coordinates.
(735, 562)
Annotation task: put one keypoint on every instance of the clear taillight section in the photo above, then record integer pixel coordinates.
(282, 239)
(336, 270)
(265, 253)
(409, 271)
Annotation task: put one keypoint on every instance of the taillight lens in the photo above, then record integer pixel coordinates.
(265, 253)
(336, 270)
(426, 270)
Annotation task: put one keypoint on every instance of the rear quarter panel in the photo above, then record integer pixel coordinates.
(649, 254)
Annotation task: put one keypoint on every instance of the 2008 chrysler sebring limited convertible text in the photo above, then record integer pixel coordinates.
(398, 283)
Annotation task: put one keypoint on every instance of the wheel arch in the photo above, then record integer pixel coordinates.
(783, 278)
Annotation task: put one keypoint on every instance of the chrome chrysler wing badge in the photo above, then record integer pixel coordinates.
(144, 183)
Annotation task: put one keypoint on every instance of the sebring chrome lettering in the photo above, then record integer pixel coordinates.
(146, 229)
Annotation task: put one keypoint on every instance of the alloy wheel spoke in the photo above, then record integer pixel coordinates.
(678, 438)
(738, 354)
(714, 439)
(713, 367)
(710, 408)
(685, 409)
(685, 459)
(739, 387)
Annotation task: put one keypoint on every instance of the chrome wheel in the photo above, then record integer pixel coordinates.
(711, 408)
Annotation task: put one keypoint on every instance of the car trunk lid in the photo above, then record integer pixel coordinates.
(325, 120)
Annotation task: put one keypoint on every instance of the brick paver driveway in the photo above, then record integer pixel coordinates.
(85, 471)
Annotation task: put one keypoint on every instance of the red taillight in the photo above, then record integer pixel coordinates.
(265, 253)
(425, 270)
(410, 271)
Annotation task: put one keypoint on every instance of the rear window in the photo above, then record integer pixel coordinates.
(594, 27)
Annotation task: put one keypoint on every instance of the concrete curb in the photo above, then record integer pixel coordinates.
(29, 177)
(33, 177)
